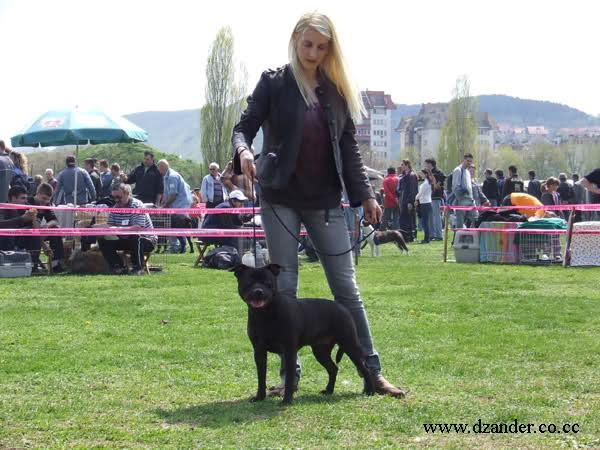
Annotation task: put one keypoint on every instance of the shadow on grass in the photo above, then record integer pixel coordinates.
(224, 413)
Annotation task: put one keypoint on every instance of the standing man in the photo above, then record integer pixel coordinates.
(592, 183)
(462, 188)
(513, 183)
(407, 191)
(106, 178)
(65, 185)
(176, 194)
(490, 188)
(137, 244)
(437, 196)
(90, 165)
(7, 173)
(390, 201)
(567, 195)
(148, 180)
(212, 190)
(500, 182)
(535, 186)
(50, 178)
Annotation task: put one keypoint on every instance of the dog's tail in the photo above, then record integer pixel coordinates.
(339, 354)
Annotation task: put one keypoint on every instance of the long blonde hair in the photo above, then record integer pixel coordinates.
(334, 66)
(20, 160)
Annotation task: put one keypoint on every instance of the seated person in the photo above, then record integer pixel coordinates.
(42, 197)
(521, 199)
(20, 218)
(137, 245)
(226, 221)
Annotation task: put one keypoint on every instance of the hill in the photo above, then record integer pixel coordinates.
(521, 112)
(178, 132)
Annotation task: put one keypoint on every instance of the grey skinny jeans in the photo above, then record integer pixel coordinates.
(339, 270)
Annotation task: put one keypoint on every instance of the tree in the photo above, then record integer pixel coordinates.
(459, 133)
(371, 157)
(225, 90)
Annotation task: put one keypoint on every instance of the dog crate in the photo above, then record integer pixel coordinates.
(15, 264)
(161, 221)
(585, 248)
(466, 246)
(539, 249)
(496, 246)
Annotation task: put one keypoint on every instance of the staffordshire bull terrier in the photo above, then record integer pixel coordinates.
(279, 324)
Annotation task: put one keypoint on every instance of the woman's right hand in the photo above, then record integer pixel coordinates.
(247, 164)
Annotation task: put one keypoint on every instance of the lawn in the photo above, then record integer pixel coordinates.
(163, 361)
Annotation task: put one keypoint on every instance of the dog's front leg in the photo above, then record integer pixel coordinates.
(260, 359)
(291, 355)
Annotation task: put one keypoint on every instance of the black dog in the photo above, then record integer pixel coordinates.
(283, 325)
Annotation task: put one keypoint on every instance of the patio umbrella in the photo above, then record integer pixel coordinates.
(78, 127)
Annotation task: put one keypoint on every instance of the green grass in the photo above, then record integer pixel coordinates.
(164, 361)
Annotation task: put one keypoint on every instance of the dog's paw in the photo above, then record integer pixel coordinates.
(326, 392)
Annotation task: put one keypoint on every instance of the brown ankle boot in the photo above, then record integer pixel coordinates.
(384, 387)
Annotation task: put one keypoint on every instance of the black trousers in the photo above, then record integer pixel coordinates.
(29, 243)
(137, 245)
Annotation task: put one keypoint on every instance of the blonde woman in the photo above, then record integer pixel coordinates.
(21, 176)
(310, 154)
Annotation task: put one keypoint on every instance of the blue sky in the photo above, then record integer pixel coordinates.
(129, 56)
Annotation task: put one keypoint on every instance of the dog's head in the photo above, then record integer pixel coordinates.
(366, 226)
(257, 287)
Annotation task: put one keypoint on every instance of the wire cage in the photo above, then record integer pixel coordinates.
(539, 249)
(161, 221)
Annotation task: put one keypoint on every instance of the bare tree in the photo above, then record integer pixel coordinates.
(225, 91)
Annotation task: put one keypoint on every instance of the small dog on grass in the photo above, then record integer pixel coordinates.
(284, 325)
(375, 239)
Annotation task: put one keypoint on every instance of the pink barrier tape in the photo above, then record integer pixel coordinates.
(583, 207)
(202, 232)
(525, 230)
(128, 232)
(191, 211)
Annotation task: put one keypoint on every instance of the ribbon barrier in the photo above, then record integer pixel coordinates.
(117, 231)
(191, 211)
(580, 207)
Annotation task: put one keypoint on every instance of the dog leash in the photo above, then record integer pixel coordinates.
(356, 244)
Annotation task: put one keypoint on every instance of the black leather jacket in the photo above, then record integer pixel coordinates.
(277, 105)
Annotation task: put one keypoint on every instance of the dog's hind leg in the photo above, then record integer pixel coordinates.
(323, 354)
(358, 361)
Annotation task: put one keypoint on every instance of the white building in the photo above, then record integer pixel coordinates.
(375, 129)
(423, 131)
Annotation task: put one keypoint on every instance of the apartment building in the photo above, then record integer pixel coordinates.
(375, 128)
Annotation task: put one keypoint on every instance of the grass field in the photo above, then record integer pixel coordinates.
(163, 361)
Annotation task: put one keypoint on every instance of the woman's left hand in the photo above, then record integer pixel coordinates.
(372, 211)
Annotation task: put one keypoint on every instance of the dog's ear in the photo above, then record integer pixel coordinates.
(238, 269)
(274, 268)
